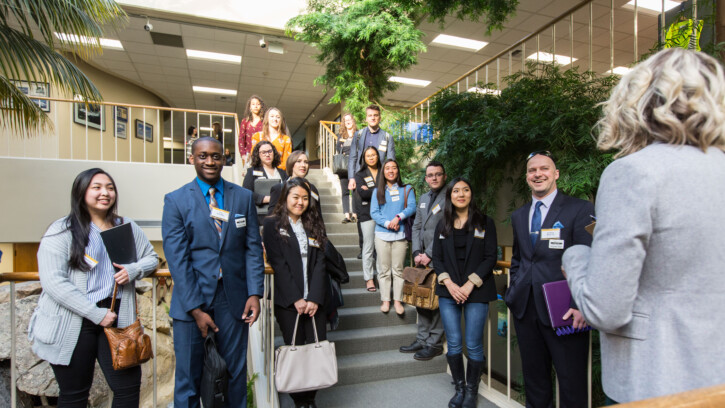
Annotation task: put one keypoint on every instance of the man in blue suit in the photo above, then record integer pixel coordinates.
(214, 251)
(543, 229)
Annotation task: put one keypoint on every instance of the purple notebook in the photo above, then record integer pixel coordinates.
(558, 299)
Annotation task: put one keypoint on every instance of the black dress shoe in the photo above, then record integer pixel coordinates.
(414, 347)
(359, 256)
(428, 353)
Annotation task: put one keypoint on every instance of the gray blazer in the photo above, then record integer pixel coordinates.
(653, 281)
(425, 222)
(56, 322)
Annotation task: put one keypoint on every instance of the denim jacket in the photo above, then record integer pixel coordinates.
(393, 206)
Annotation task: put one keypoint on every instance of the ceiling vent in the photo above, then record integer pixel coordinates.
(222, 98)
(169, 40)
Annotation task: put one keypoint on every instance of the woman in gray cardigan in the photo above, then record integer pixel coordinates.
(78, 279)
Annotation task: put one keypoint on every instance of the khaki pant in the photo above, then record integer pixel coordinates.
(391, 258)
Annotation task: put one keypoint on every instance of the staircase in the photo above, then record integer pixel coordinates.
(367, 340)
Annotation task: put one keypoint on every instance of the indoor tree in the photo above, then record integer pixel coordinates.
(29, 50)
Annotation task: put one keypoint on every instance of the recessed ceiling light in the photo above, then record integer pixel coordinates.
(547, 57)
(79, 39)
(208, 129)
(220, 91)
(214, 56)
(651, 5)
(485, 90)
(621, 71)
(410, 81)
(458, 42)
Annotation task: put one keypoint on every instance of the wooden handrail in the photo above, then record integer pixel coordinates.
(503, 264)
(33, 276)
(710, 397)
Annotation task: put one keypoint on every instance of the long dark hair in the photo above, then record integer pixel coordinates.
(257, 162)
(381, 181)
(79, 219)
(475, 218)
(248, 110)
(311, 219)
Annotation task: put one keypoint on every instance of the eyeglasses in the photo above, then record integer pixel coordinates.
(266, 152)
(436, 175)
(541, 152)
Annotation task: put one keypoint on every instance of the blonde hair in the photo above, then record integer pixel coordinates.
(676, 96)
(265, 124)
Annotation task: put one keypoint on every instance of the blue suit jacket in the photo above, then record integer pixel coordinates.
(531, 267)
(195, 254)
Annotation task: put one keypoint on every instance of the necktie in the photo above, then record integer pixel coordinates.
(213, 204)
(536, 223)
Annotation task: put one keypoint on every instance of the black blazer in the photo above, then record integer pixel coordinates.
(481, 258)
(276, 191)
(362, 196)
(283, 255)
(249, 178)
(531, 267)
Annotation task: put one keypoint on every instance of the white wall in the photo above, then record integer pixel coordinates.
(36, 192)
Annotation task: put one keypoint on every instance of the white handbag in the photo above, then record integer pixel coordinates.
(305, 368)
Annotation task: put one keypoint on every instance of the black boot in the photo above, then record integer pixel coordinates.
(473, 378)
(455, 362)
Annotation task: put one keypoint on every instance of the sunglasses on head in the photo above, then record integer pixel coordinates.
(541, 152)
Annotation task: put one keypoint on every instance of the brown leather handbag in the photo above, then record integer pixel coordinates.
(129, 346)
(419, 288)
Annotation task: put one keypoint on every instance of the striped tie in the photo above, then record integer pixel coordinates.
(213, 204)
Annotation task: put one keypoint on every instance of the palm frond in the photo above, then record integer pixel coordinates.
(18, 111)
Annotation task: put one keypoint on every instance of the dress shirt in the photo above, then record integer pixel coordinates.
(544, 208)
(100, 278)
(274, 176)
(301, 236)
(218, 195)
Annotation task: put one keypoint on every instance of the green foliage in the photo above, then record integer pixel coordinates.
(26, 55)
(496, 11)
(486, 138)
(250, 391)
(406, 150)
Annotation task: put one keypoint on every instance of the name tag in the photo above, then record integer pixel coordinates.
(257, 173)
(395, 198)
(283, 232)
(365, 203)
(556, 244)
(479, 234)
(436, 209)
(219, 214)
(313, 242)
(422, 205)
(240, 222)
(371, 184)
(394, 192)
(553, 233)
(383, 148)
(90, 261)
(315, 196)
(441, 237)
(368, 179)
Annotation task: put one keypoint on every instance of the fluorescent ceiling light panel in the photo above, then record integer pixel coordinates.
(410, 81)
(214, 56)
(547, 57)
(459, 42)
(208, 129)
(652, 5)
(79, 39)
(218, 91)
(485, 90)
(621, 71)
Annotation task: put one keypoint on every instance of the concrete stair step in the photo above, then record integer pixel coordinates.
(370, 316)
(338, 227)
(328, 207)
(357, 296)
(348, 251)
(343, 239)
(384, 365)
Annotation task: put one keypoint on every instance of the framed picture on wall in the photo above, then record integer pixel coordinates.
(32, 88)
(91, 115)
(144, 131)
(120, 114)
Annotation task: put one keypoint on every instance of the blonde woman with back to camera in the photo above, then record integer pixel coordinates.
(652, 281)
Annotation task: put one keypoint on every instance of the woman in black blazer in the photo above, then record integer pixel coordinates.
(298, 166)
(365, 181)
(464, 255)
(264, 165)
(295, 238)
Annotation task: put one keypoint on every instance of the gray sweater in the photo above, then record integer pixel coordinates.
(56, 322)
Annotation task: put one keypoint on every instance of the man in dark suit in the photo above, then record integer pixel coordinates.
(428, 342)
(371, 135)
(543, 229)
(214, 251)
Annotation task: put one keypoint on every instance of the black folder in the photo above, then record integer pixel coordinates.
(120, 244)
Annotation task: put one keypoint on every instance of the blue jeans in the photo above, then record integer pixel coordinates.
(475, 315)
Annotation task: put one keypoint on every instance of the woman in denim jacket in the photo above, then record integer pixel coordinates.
(392, 202)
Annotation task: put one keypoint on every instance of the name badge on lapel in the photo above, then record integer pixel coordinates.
(90, 261)
(551, 233)
(283, 232)
(240, 220)
(422, 205)
(395, 198)
(479, 234)
(383, 146)
(368, 179)
(219, 214)
(394, 192)
(315, 196)
(257, 173)
(371, 184)
(313, 242)
(436, 209)
(556, 244)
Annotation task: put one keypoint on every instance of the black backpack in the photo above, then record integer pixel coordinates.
(215, 378)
